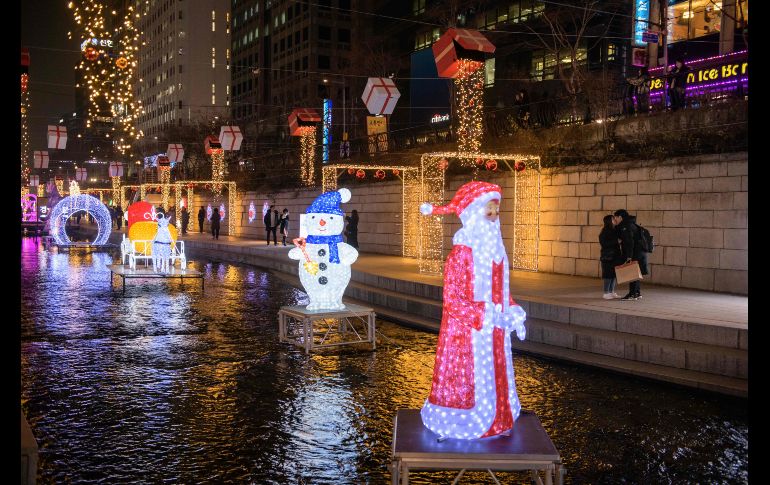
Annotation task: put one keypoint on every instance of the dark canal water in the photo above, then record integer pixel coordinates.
(167, 385)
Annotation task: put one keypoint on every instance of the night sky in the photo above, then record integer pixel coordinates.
(44, 27)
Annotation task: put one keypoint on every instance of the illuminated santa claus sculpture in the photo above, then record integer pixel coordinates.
(474, 393)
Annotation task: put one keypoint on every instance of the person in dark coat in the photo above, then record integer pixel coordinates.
(201, 216)
(284, 225)
(271, 224)
(610, 256)
(677, 88)
(185, 220)
(119, 217)
(352, 230)
(631, 248)
(215, 218)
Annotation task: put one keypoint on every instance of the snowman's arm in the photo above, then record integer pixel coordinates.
(295, 253)
(348, 254)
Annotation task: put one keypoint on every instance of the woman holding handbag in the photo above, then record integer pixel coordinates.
(610, 256)
(631, 245)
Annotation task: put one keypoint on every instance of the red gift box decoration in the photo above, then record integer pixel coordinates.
(163, 162)
(40, 159)
(230, 137)
(57, 137)
(211, 143)
(458, 44)
(116, 169)
(175, 152)
(380, 95)
(80, 174)
(303, 120)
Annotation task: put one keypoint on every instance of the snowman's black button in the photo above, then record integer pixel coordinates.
(322, 266)
(322, 252)
(323, 280)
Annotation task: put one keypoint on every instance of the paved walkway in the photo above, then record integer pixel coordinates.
(664, 302)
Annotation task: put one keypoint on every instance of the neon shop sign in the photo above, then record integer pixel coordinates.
(437, 118)
(95, 43)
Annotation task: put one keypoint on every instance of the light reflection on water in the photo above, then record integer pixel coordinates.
(169, 384)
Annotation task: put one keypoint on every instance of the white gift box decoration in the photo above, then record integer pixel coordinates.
(57, 137)
(116, 169)
(380, 95)
(175, 152)
(40, 158)
(230, 137)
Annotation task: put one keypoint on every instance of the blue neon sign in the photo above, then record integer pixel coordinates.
(327, 129)
(641, 18)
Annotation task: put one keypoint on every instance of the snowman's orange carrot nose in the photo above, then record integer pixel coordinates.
(322, 223)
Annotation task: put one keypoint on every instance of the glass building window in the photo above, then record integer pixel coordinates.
(425, 39)
(544, 63)
(418, 7)
(690, 19)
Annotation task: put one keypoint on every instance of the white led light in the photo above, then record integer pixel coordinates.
(72, 204)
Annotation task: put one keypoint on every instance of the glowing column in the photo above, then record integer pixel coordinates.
(307, 155)
(469, 85)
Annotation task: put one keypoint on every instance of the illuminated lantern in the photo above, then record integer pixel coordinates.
(91, 54)
(479, 161)
(303, 121)
(460, 44)
(40, 159)
(351, 171)
(380, 95)
(57, 137)
(473, 394)
(121, 62)
(324, 259)
(379, 174)
(396, 172)
(360, 174)
(491, 164)
(519, 166)
(443, 164)
(81, 174)
(140, 211)
(175, 152)
(230, 137)
(211, 144)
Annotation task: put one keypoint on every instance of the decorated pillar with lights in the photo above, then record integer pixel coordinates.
(460, 54)
(302, 123)
(24, 115)
(116, 171)
(164, 176)
(473, 394)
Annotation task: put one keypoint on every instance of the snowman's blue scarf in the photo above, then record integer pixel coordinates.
(332, 241)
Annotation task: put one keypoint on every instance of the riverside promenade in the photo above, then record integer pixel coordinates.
(688, 337)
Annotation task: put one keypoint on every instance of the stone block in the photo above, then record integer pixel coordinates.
(743, 339)
(596, 218)
(545, 248)
(745, 183)
(698, 278)
(585, 250)
(652, 327)
(706, 334)
(690, 202)
(727, 184)
(589, 234)
(686, 171)
(549, 204)
(638, 202)
(713, 363)
(559, 337)
(674, 256)
(590, 203)
(737, 168)
(736, 238)
(585, 190)
(587, 267)
(667, 275)
(737, 259)
(619, 175)
(545, 263)
(655, 353)
(737, 219)
(662, 172)
(592, 177)
(574, 250)
(626, 188)
(649, 187)
(573, 178)
(560, 179)
(596, 249)
(703, 257)
(546, 311)
(612, 203)
(706, 238)
(698, 219)
(670, 236)
(732, 281)
(718, 169)
(592, 319)
(560, 248)
(655, 258)
(557, 191)
(740, 200)
(717, 200)
(648, 218)
(600, 344)
(635, 174)
(605, 189)
(574, 218)
(551, 218)
(568, 233)
(672, 218)
(568, 203)
(564, 265)
(667, 202)
(673, 186)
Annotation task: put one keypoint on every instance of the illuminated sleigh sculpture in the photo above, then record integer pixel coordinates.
(141, 247)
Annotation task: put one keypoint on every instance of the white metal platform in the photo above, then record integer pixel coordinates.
(313, 329)
(415, 447)
(126, 272)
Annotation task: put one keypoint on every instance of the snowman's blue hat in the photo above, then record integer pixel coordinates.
(329, 202)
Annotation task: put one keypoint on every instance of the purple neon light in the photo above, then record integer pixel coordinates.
(700, 87)
(694, 63)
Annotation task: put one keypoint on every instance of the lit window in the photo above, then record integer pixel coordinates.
(418, 7)
(227, 89)
(213, 15)
(213, 27)
(489, 72)
(213, 99)
(213, 88)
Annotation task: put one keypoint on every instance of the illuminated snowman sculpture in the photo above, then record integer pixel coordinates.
(324, 259)
(473, 394)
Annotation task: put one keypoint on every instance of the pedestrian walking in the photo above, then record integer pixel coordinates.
(352, 230)
(631, 249)
(610, 256)
(185, 217)
(271, 224)
(201, 216)
(284, 225)
(119, 217)
(215, 218)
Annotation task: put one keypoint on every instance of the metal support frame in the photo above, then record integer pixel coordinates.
(298, 326)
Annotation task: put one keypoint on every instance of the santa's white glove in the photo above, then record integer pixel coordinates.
(513, 319)
(492, 318)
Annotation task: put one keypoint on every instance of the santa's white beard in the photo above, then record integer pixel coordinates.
(486, 242)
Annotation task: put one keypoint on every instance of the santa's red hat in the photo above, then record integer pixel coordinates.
(464, 196)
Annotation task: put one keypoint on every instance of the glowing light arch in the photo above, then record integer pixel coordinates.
(73, 204)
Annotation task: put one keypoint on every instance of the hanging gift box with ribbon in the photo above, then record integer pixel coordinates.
(380, 95)
(116, 169)
(302, 121)
(57, 137)
(40, 159)
(457, 44)
(175, 152)
(230, 137)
